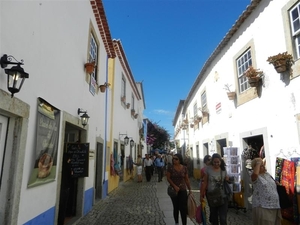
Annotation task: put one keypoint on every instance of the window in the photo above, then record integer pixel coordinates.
(242, 63)
(123, 87)
(195, 110)
(132, 101)
(203, 101)
(93, 54)
(291, 26)
(295, 25)
(244, 58)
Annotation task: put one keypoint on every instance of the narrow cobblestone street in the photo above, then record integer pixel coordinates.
(145, 203)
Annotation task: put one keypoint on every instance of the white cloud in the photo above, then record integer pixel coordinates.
(163, 112)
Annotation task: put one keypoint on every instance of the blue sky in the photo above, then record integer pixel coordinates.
(166, 43)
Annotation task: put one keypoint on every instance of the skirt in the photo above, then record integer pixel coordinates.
(139, 170)
(262, 216)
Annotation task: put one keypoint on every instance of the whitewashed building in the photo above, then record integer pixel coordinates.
(53, 166)
(267, 115)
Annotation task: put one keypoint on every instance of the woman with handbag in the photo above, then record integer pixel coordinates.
(265, 200)
(213, 184)
(177, 176)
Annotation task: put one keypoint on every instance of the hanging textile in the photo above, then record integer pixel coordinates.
(296, 197)
(287, 180)
(278, 169)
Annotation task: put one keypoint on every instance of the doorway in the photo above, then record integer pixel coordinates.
(255, 143)
(122, 147)
(205, 149)
(221, 143)
(3, 185)
(68, 201)
(99, 171)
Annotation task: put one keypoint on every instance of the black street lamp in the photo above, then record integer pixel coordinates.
(15, 75)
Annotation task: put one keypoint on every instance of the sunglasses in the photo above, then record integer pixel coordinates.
(176, 158)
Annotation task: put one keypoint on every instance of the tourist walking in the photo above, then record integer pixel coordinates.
(148, 167)
(139, 163)
(177, 176)
(206, 162)
(265, 200)
(212, 185)
(159, 163)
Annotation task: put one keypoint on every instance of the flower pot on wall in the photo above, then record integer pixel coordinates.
(191, 125)
(102, 88)
(231, 95)
(132, 112)
(89, 67)
(281, 62)
(280, 66)
(123, 99)
(254, 81)
(127, 105)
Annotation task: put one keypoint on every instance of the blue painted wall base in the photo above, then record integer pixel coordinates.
(46, 218)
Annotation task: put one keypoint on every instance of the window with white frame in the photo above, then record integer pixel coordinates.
(123, 87)
(132, 101)
(93, 54)
(295, 25)
(195, 110)
(242, 63)
(203, 101)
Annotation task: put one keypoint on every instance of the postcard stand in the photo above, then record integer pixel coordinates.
(233, 167)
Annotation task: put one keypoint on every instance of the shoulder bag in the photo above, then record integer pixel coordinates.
(227, 190)
(171, 191)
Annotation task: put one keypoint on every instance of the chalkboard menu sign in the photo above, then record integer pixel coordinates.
(78, 157)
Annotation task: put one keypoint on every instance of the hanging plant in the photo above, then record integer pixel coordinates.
(281, 62)
(90, 67)
(231, 94)
(132, 112)
(254, 76)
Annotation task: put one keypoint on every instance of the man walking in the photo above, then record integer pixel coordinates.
(148, 166)
(159, 164)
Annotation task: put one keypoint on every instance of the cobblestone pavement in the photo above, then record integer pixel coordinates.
(135, 203)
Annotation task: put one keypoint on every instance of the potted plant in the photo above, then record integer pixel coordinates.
(136, 115)
(103, 87)
(230, 94)
(90, 66)
(198, 118)
(132, 112)
(191, 125)
(123, 99)
(281, 62)
(127, 105)
(253, 75)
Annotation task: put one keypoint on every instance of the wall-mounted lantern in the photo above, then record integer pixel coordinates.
(15, 75)
(126, 140)
(84, 117)
(131, 143)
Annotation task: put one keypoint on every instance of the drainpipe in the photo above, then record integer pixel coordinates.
(105, 121)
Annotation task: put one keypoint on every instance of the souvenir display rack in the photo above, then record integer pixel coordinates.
(233, 167)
